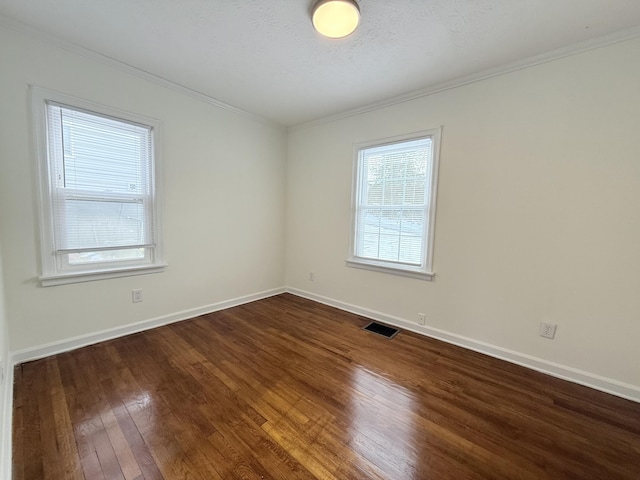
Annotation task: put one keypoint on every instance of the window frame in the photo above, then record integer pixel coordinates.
(423, 271)
(54, 267)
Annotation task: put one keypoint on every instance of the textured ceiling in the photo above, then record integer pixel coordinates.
(264, 56)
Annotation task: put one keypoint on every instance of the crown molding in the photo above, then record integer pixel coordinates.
(575, 49)
(592, 44)
(49, 39)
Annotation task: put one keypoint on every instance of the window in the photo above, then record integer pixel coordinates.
(394, 204)
(98, 178)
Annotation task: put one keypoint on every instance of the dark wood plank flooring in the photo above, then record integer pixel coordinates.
(286, 388)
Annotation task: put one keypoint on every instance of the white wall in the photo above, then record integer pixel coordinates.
(224, 200)
(538, 212)
(539, 208)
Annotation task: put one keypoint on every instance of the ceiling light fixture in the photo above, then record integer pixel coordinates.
(336, 18)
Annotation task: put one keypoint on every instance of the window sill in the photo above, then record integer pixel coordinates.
(377, 267)
(90, 276)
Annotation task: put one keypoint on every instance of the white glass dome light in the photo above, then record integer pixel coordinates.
(336, 18)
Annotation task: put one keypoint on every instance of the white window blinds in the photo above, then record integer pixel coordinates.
(101, 182)
(394, 204)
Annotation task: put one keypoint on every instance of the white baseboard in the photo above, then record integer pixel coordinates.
(6, 421)
(66, 345)
(614, 387)
(41, 351)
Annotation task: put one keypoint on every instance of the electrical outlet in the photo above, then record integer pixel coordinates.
(312, 277)
(547, 330)
(422, 318)
(136, 295)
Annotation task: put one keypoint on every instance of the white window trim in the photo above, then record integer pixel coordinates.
(50, 274)
(425, 270)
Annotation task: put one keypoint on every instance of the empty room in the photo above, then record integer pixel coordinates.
(320, 239)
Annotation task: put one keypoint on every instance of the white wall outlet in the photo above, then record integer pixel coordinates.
(422, 319)
(547, 330)
(312, 277)
(136, 295)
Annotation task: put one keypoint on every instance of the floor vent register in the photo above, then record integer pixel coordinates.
(383, 330)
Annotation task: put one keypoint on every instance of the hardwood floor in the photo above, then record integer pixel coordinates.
(286, 388)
